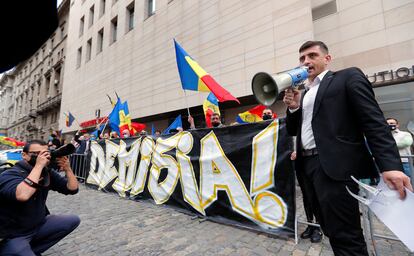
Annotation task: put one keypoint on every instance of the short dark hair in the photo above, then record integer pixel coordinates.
(392, 118)
(310, 44)
(215, 114)
(268, 109)
(31, 142)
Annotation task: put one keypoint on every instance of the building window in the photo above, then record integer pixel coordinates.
(57, 80)
(91, 15)
(99, 45)
(114, 29)
(88, 49)
(102, 8)
(47, 87)
(62, 31)
(130, 16)
(150, 7)
(79, 59)
(81, 25)
(324, 10)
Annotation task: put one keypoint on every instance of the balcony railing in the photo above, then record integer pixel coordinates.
(49, 103)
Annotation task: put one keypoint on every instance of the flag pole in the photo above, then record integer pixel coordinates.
(186, 103)
(103, 129)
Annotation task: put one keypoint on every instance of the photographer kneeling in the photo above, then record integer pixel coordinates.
(25, 224)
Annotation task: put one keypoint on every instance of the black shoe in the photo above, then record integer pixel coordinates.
(316, 236)
(307, 233)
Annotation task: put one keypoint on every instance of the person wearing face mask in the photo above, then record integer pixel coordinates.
(216, 120)
(26, 226)
(267, 114)
(404, 141)
(126, 133)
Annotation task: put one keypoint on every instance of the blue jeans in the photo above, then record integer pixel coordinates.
(407, 169)
(52, 231)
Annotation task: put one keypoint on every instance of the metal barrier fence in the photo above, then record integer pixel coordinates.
(80, 166)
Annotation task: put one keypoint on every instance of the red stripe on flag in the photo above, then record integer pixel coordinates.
(258, 110)
(208, 114)
(137, 127)
(221, 93)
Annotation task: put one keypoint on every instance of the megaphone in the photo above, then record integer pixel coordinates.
(266, 88)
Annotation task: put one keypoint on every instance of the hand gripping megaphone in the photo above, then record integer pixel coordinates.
(266, 88)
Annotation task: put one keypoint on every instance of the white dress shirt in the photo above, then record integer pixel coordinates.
(307, 138)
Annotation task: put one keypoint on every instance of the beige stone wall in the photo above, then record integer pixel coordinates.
(230, 39)
(374, 35)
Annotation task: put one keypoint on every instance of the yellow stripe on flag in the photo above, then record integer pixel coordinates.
(200, 73)
(202, 86)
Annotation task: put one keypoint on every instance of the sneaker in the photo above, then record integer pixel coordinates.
(316, 236)
(307, 233)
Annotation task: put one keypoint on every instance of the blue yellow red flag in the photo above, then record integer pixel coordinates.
(69, 119)
(194, 78)
(210, 106)
(251, 116)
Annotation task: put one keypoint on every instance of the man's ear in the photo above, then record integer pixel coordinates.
(25, 156)
(328, 58)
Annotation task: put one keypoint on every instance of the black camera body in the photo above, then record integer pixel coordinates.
(64, 150)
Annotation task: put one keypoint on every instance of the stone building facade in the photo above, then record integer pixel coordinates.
(31, 93)
(127, 46)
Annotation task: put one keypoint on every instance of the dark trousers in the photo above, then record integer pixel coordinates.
(52, 231)
(306, 194)
(337, 211)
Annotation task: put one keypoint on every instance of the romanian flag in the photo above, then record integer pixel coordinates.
(194, 78)
(126, 123)
(125, 118)
(251, 116)
(210, 106)
(120, 119)
(69, 119)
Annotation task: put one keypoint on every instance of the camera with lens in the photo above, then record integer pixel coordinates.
(64, 150)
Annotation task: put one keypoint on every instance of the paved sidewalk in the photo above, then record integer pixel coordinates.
(114, 226)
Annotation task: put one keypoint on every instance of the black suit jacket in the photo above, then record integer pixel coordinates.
(344, 114)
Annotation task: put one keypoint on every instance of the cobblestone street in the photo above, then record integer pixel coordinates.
(114, 226)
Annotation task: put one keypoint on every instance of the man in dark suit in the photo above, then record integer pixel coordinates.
(337, 113)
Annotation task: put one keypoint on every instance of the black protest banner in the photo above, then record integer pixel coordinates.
(239, 175)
